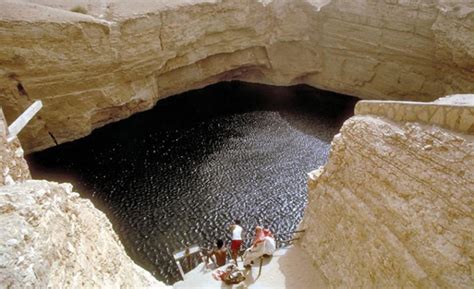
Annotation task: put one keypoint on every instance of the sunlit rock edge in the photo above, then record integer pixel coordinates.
(121, 58)
(392, 208)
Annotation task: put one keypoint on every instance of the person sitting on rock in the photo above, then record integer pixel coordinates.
(219, 254)
(267, 233)
(263, 244)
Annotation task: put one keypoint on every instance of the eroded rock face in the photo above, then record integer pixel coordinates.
(454, 112)
(121, 57)
(393, 207)
(52, 238)
(13, 167)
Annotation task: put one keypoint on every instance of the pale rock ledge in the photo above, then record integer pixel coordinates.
(52, 238)
(123, 56)
(13, 166)
(393, 207)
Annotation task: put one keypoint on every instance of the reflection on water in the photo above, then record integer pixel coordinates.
(180, 173)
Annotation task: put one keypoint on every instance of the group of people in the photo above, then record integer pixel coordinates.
(262, 244)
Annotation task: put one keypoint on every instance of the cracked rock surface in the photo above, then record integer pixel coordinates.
(52, 238)
(120, 57)
(392, 208)
(13, 167)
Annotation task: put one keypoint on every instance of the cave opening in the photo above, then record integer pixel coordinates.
(181, 172)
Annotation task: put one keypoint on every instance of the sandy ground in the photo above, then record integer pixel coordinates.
(288, 268)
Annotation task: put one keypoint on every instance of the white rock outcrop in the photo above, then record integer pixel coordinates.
(393, 207)
(52, 238)
(123, 56)
(13, 167)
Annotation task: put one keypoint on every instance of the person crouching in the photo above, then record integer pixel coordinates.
(218, 254)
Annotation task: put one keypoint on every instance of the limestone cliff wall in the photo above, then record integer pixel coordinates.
(123, 56)
(393, 207)
(52, 238)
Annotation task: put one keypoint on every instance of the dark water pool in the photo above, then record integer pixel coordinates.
(180, 173)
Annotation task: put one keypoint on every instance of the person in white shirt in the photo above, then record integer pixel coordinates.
(263, 244)
(236, 230)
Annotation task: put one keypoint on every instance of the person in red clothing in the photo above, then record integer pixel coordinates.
(236, 230)
(259, 236)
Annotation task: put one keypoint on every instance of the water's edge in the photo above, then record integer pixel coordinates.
(180, 173)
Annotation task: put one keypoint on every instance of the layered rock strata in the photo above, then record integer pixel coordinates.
(121, 57)
(52, 238)
(454, 112)
(393, 207)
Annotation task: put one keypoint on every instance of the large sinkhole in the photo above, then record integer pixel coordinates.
(180, 173)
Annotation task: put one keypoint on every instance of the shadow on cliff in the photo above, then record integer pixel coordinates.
(317, 113)
(312, 111)
(299, 271)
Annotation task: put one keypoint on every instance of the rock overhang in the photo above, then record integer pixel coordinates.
(90, 70)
